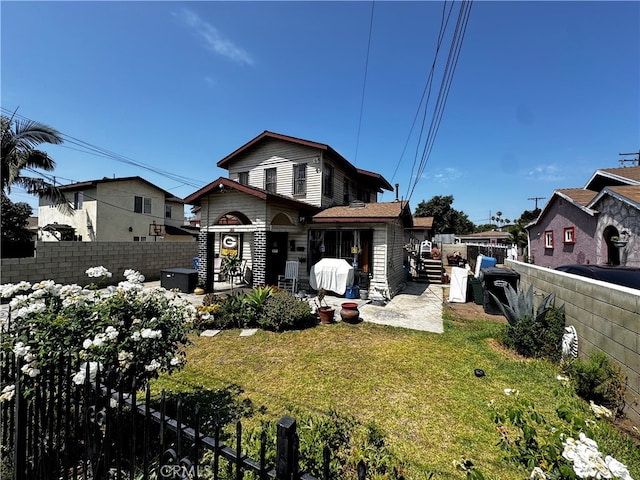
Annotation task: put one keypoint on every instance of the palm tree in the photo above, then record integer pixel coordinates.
(18, 144)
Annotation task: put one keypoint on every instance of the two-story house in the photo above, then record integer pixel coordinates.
(585, 225)
(286, 198)
(114, 210)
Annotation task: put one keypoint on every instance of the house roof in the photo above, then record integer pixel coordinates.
(92, 183)
(218, 187)
(359, 212)
(608, 177)
(180, 231)
(629, 194)
(579, 197)
(370, 177)
(422, 223)
(486, 234)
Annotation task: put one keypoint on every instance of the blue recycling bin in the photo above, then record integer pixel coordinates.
(352, 292)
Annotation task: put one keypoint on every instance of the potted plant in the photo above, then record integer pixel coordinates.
(325, 311)
(618, 241)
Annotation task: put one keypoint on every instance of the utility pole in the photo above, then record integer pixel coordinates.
(633, 161)
(536, 200)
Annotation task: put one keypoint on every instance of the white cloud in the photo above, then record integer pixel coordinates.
(547, 173)
(212, 38)
(446, 175)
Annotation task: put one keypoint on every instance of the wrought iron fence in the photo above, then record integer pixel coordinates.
(59, 430)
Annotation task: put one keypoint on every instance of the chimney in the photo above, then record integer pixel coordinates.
(397, 185)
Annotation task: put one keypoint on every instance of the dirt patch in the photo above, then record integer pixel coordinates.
(473, 311)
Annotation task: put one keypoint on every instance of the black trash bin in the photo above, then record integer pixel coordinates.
(184, 279)
(495, 280)
(474, 288)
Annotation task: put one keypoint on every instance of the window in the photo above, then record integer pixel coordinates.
(243, 178)
(300, 179)
(78, 198)
(548, 239)
(345, 192)
(167, 211)
(270, 180)
(142, 205)
(139, 239)
(327, 181)
(570, 235)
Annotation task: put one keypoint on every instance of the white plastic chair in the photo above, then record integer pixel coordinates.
(289, 281)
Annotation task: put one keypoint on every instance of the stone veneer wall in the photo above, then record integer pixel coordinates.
(66, 262)
(606, 317)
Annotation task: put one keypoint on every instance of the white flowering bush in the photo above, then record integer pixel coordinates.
(128, 330)
(550, 451)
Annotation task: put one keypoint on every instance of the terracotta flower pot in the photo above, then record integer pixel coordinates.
(349, 312)
(326, 315)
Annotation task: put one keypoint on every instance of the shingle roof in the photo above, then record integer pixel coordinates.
(581, 196)
(627, 193)
(632, 173)
(92, 183)
(422, 222)
(363, 212)
(214, 187)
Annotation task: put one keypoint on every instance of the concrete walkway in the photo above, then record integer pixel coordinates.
(418, 306)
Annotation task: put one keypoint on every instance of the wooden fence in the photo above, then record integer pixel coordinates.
(58, 430)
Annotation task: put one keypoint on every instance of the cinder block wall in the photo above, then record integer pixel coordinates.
(606, 317)
(66, 262)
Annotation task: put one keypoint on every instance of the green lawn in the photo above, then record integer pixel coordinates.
(418, 387)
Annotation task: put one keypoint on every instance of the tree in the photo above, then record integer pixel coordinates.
(15, 220)
(517, 230)
(445, 218)
(19, 139)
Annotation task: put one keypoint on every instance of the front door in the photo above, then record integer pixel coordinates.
(276, 256)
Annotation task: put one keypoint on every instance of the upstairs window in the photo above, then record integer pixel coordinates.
(327, 181)
(570, 235)
(346, 193)
(300, 179)
(78, 199)
(270, 180)
(167, 211)
(548, 239)
(142, 205)
(243, 178)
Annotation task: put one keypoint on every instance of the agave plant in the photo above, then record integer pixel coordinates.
(521, 304)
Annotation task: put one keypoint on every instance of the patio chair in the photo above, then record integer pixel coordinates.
(241, 272)
(217, 269)
(289, 281)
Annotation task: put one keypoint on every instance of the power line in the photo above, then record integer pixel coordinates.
(88, 148)
(445, 86)
(427, 88)
(364, 82)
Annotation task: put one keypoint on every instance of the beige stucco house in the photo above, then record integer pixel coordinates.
(290, 199)
(128, 209)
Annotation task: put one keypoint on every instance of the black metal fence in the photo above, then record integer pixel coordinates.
(58, 430)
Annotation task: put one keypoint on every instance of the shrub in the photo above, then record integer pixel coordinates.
(129, 330)
(232, 312)
(561, 450)
(282, 311)
(348, 441)
(599, 379)
(533, 333)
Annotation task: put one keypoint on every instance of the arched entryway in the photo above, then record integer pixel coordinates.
(613, 252)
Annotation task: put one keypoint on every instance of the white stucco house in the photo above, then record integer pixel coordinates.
(290, 199)
(127, 209)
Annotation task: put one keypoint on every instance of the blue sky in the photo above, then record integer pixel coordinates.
(544, 93)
